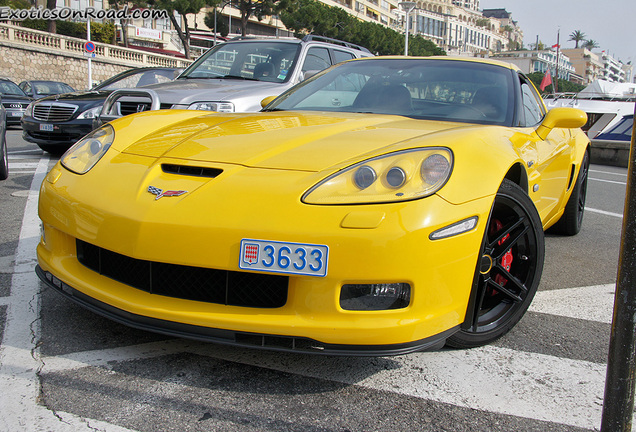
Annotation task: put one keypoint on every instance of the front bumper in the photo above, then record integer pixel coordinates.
(383, 243)
(14, 116)
(64, 134)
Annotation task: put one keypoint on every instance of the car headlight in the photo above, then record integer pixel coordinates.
(213, 106)
(400, 176)
(29, 110)
(89, 150)
(91, 113)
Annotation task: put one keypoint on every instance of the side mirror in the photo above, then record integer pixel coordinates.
(568, 118)
(267, 101)
(308, 74)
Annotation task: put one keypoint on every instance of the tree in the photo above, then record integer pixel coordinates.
(221, 24)
(563, 85)
(52, 27)
(577, 36)
(258, 9)
(590, 44)
(183, 7)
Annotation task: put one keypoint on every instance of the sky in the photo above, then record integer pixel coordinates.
(611, 23)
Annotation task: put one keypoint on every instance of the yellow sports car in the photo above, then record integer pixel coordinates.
(383, 206)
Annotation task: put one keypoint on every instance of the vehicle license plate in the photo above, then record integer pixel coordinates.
(17, 114)
(46, 127)
(282, 257)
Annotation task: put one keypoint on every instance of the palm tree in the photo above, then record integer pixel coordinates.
(590, 44)
(577, 36)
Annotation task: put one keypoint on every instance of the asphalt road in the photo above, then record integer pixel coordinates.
(64, 368)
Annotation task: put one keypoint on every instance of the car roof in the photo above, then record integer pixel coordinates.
(441, 58)
(307, 39)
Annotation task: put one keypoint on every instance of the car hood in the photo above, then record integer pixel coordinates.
(187, 91)
(303, 141)
(79, 98)
(15, 98)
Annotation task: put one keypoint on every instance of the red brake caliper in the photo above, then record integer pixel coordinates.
(506, 260)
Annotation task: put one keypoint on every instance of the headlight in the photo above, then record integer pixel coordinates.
(90, 113)
(89, 150)
(213, 106)
(29, 111)
(399, 176)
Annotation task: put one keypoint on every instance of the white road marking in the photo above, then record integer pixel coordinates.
(608, 181)
(603, 212)
(25, 165)
(592, 303)
(609, 172)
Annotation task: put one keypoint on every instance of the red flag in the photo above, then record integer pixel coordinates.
(546, 81)
(556, 46)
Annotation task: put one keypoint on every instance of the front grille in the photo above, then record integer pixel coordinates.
(126, 108)
(53, 112)
(15, 105)
(185, 282)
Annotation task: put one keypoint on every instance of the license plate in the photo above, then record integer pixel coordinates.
(17, 114)
(283, 257)
(46, 127)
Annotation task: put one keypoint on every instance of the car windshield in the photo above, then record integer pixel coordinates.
(139, 79)
(10, 89)
(261, 61)
(432, 89)
(51, 88)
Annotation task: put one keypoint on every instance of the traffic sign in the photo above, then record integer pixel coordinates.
(89, 47)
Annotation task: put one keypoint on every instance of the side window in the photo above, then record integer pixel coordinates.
(532, 110)
(317, 59)
(340, 56)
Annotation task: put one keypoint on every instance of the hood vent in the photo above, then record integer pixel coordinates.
(191, 170)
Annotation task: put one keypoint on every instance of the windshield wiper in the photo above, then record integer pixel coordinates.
(238, 77)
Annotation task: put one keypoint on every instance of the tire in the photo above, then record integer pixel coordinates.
(508, 270)
(4, 158)
(572, 219)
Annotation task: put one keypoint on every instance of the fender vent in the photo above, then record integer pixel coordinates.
(191, 170)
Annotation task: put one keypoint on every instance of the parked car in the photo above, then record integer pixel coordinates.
(235, 76)
(4, 152)
(54, 123)
(384, 206)
(39, 89)
(14, 100)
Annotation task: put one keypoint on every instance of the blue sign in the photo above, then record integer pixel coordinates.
(89, 47)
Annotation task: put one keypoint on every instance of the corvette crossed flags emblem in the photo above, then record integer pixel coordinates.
(160, 193)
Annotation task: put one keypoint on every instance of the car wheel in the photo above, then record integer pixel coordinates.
(508, 271)
(572, 218)
(4, 159)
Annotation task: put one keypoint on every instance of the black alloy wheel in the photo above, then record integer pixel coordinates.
(508, 269)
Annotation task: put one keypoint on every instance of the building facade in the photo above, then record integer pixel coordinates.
(540, 61)
(592, 66)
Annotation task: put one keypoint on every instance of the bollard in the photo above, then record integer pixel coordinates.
(618, 402)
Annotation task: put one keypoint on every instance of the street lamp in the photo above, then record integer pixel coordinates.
(407, 6)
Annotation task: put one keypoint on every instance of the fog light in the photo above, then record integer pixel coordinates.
(361, 297)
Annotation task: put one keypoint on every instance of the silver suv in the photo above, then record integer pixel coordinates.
(236, 75)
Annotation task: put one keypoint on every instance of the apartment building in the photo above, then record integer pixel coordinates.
(530, 61)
